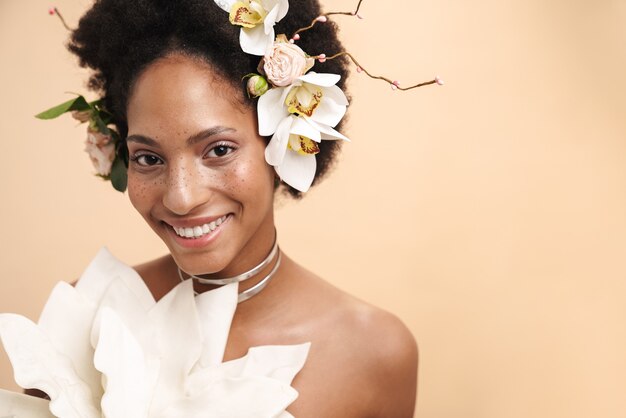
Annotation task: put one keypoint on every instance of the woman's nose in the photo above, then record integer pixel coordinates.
(186, 188)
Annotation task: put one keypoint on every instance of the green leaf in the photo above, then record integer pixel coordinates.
(119, 176)
(102, 127)
(78, 103)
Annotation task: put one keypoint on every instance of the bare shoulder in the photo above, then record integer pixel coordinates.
(389, 354)
(372, 352)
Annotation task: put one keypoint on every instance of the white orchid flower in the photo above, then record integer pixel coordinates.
(105, 348)
(299, 116)
(257, 19)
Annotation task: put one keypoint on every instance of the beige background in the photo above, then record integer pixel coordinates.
(489, 214)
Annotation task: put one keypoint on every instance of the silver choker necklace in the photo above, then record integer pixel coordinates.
(248, 293)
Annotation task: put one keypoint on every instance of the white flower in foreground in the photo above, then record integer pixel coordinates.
(257, 19)
(298, 116)
(146, 363)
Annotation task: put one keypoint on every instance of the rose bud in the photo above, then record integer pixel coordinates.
(257, 85)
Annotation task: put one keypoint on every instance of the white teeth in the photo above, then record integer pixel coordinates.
(200, 230)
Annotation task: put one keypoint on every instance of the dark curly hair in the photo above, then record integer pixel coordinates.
(118, 39)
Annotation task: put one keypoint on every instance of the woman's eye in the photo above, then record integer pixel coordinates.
(220, 151)
(146, 160)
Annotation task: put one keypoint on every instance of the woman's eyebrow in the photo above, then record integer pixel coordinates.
(193, 139)
(140, 139)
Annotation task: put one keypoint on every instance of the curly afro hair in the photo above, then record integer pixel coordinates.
(118, 39)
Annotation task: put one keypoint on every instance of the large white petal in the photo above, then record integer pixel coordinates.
(237, 398)
(121, 360)
(103, 270)
(67, 319)
(19, 405)
(178, 342)
(301, 127)
(270, 21)
(328, 112)
(297, 170)
(271, 110)
(281, 362)
(255, 41)
(215, 312)
(37, 364)
(336, 94)
(283, 9)
(326, 132)
(320, 79)
(276, 149)
(123, 302)
(225, 5)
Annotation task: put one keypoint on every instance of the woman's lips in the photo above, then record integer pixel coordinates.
(199, 230)
(200, 234)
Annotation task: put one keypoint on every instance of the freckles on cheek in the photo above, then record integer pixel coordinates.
(141, 192)
(245, 177)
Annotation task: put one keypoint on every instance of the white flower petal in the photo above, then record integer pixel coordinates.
(103, 270)
(67, 319)
(283, 6)
(301, 127)
(121, 360)
(328, 112)
(225, 5)
(126, 306)
(297, 170)
(336, 94)
(215, 312)
(326, 132)
(37, 364)
(250, 397)
(255, 41)
(271, 110)
(320, 79)
(19, 405)
(179, 346)
(281, 362)
(270, 21)
(277, 147)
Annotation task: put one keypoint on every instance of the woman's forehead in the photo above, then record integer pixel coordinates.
(183, 93)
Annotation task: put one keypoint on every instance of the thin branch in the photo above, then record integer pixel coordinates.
(324, 18)
(354, 13)
(394, 84)
(55, 11)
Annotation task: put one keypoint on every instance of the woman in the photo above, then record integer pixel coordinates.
(171, 75)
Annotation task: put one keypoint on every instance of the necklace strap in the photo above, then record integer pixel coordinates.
(240, 277)
(248, 293)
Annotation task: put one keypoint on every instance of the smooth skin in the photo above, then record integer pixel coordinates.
(195, 153)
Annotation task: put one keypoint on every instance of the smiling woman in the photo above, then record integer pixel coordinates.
(202, 167)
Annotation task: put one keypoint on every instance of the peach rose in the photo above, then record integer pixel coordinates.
(101, 151)
(285, 62)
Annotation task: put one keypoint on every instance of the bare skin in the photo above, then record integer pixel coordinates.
(363, 361)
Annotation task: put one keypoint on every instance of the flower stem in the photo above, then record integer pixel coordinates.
(58, 13)
(379, 77)
(317, 19)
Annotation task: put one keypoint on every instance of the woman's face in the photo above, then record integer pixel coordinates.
(197, 173)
